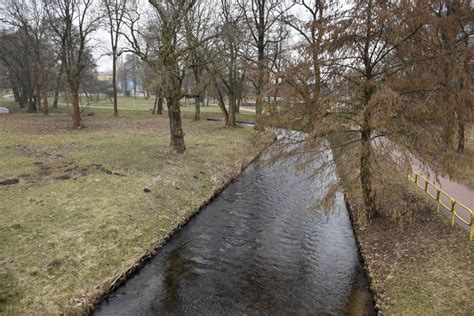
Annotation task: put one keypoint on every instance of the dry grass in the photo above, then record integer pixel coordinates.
(418, 263)
(423, 267)
(130, 106)
(79, 216)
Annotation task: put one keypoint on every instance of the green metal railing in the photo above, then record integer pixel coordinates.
(439, 201)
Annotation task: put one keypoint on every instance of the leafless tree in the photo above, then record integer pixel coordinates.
(28, 19)
(198, 26)
(261, 17)
(115, 13)
(72, 22)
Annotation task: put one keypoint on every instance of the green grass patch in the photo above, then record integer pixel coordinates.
(127, 104)
(79, 216)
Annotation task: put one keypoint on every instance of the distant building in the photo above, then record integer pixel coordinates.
(127, 90)
(104, 77)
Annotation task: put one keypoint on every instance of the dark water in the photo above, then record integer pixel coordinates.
(260, 248)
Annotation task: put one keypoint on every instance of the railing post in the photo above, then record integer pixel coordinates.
(437, 200)
(426, 190)
(472, 227)
(453, 211)
(416, 182)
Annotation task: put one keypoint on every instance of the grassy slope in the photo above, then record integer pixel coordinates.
(63, 241)
(422, 266)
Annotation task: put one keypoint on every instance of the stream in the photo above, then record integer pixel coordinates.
(264, 246)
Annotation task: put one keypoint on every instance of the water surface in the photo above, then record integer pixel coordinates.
(260, 248)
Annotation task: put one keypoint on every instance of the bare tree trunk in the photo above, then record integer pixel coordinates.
(17, 96)
(221, 104)
(56, 98)
(38, 97)
(45, 102)
(461, 133)
(155, 104)
(32, 104)
(76, 111)
(197, 108)
(261, 70)
(114, 81)
(232, 105)
(238, 97)
(258, 111)
(366, 174)
(160, 102)
(177, 134)
(56, 91)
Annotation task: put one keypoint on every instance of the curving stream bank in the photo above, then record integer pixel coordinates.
(261, 247)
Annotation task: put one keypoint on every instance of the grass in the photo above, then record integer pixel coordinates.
(79, 217)
(140, 104)
(418, 263)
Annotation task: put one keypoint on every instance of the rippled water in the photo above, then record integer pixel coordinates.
(260, 248)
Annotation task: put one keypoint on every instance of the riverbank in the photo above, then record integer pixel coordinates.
(417, 263)
(90, 205)
(421, 267)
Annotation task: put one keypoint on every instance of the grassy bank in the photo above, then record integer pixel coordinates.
(418, 263)
(90, 203)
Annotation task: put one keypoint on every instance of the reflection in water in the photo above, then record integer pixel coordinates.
(259, 248)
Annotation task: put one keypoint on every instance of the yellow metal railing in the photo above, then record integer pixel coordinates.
(437, 195)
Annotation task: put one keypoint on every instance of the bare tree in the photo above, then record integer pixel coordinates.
(166, 56)
(197, 28)
(232, 52)
(28, 19)
(72, 22)
(310, 21)
(261, 16)
(14, 56)
(115, 13)
(162, 45)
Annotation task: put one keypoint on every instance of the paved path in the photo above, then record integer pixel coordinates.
(250, 109)
(460, 192)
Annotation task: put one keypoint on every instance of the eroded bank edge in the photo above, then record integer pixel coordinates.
(362, 257)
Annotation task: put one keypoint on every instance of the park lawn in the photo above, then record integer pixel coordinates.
(80, 217)
(4, 102)
(418, 264)
(126, 104)
(140, 105)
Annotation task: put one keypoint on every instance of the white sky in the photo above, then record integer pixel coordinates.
(101, 39)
